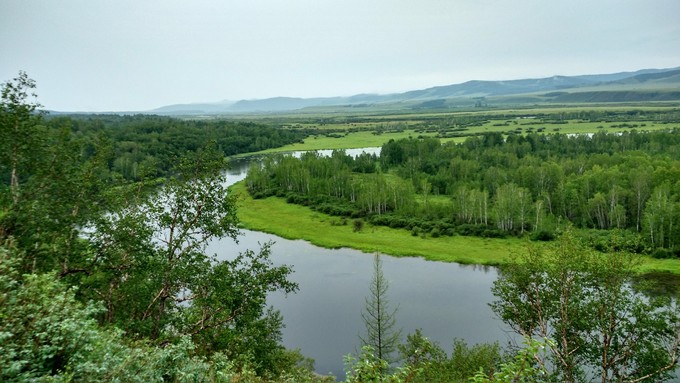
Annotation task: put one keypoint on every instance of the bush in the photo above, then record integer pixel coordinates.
(493, 233)
(662, 253)
(358, 225)
(543, 235)
(470, 229)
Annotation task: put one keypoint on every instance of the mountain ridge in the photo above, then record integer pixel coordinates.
(632, 83)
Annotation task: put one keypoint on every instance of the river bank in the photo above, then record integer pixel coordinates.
(276, 216)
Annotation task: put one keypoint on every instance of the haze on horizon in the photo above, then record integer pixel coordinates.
(129, 55)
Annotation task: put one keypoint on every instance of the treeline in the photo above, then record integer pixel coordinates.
(496, 185)
(148, 146)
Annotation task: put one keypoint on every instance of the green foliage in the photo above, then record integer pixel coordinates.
(358, 225)
(148, 264)
(148, 146)
(526, 367)
(19, 131)
(583, 302)
(47, 335)
(47, 188)
(368, 368)
(424, 361)
(434, 365)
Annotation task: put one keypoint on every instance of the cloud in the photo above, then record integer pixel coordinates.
(130, 55)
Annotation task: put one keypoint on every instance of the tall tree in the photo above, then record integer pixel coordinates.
(48, 189)
(660, 218)
(601, 329)
(18, 128)
(150, 265)
(381, 332)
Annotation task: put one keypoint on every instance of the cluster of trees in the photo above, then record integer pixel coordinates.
(496, 185)
(106, 280)
(316, 179)
(147, 146)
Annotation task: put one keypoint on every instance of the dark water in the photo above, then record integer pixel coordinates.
(323, 320)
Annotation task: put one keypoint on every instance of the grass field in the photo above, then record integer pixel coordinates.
(351, 140)
(346, 132)
(275, 216)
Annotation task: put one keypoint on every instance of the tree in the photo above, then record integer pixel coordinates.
(660, 218)
(48, 189)
(599, 326)
(18, 128)
(149, 266)
(381, 333)
(46, 334)
(512, 206)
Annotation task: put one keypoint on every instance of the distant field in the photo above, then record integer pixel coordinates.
(348, 140)
(345, 132)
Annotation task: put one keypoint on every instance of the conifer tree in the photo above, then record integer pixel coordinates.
(381, 332)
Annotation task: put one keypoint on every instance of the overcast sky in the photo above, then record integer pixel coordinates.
(133, 55)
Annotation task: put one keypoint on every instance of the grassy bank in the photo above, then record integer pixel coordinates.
(274, 215)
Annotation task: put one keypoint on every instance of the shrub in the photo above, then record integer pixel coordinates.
(493, 233)
(543, 235)
(662, 253)
(358, 225)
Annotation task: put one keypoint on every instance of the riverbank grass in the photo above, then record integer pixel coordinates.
(276, 216)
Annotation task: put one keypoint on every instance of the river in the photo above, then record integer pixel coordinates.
(323, 319)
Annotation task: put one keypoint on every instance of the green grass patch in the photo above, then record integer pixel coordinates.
(349, 140)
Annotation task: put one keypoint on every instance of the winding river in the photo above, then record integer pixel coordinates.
(323, 319)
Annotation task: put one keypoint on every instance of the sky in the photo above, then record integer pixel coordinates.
(136, 55)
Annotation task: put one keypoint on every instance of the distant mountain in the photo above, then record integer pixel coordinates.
(642, 85)
(667, 77)
(602, 78)
(198, 108)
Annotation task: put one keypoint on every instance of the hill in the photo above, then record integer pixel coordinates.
(642, 85)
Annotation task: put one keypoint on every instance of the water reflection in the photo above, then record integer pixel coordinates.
(658, 284)
(323, 319)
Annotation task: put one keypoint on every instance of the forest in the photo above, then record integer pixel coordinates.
(105, 274)
(623, 186)
(147, 146)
